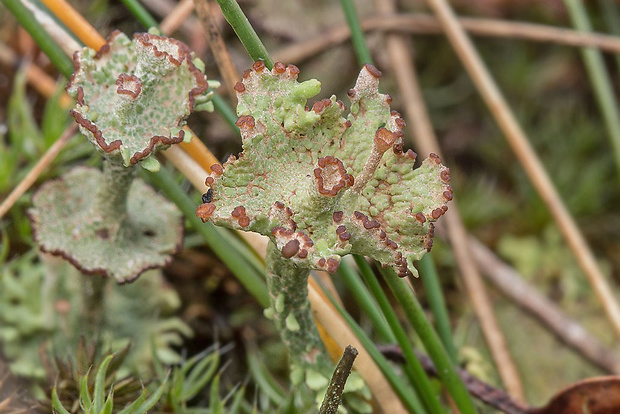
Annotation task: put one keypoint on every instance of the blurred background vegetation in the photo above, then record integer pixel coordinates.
(546, 85)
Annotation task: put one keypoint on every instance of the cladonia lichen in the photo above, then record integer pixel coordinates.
(133, 98)
(321, 185)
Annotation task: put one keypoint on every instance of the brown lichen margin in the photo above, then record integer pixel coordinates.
(140, 155)
(97, 134)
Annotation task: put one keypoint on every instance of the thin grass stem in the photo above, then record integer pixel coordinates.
(357, 34)
(229, 114)
(413, 369)
(599, 78)
(245, 32)
(139, 12)
(436, 300)
(445, 368)
(365, 301)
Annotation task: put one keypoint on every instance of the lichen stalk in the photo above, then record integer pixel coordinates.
(288, 289)
(111, 198)
(93, 303)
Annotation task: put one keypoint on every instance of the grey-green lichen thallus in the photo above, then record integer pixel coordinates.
(132, 100)
(321, 186)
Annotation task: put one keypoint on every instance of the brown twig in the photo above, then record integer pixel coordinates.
(177, 17)
(36, 171)
(204, 9)
(425, 24)
(35, 76)
(333, 395)
(490, 395)
(567, 330)
(342, 335)
(402, 63)
(527, 157)
(190, 28)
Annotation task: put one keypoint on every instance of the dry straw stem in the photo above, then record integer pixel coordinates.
(205, 9)
(74, 21)
(569, 331)
(342, 334)
(36, 171)
(527, 157)
(425, 24)
(402, 63)
(35, 76)
(177, 16)
(189, 27)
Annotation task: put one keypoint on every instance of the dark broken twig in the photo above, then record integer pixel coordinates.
(333, 395)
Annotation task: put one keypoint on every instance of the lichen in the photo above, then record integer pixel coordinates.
(133, 96)
(321, 185)
(120, 232)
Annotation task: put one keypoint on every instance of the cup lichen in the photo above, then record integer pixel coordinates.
(321, 186)
(133, 98)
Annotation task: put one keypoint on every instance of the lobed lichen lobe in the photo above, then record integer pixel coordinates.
(158, 84)
(322, 185)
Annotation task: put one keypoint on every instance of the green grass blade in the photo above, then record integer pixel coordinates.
(56, 404)
(109, 404)
(153, 399)
(242, 248)
(85, 398)
(133, 408)
(140, 13)
(200, 375)
(428, 274)
(413, 369)
(40, 36)
(215, 401)
(229, 114)
(445, 368)
(99, 388)
(365, 301)
(235, 406)
(264, 380)
(357, 34)
(599, 78)
(245, 32)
